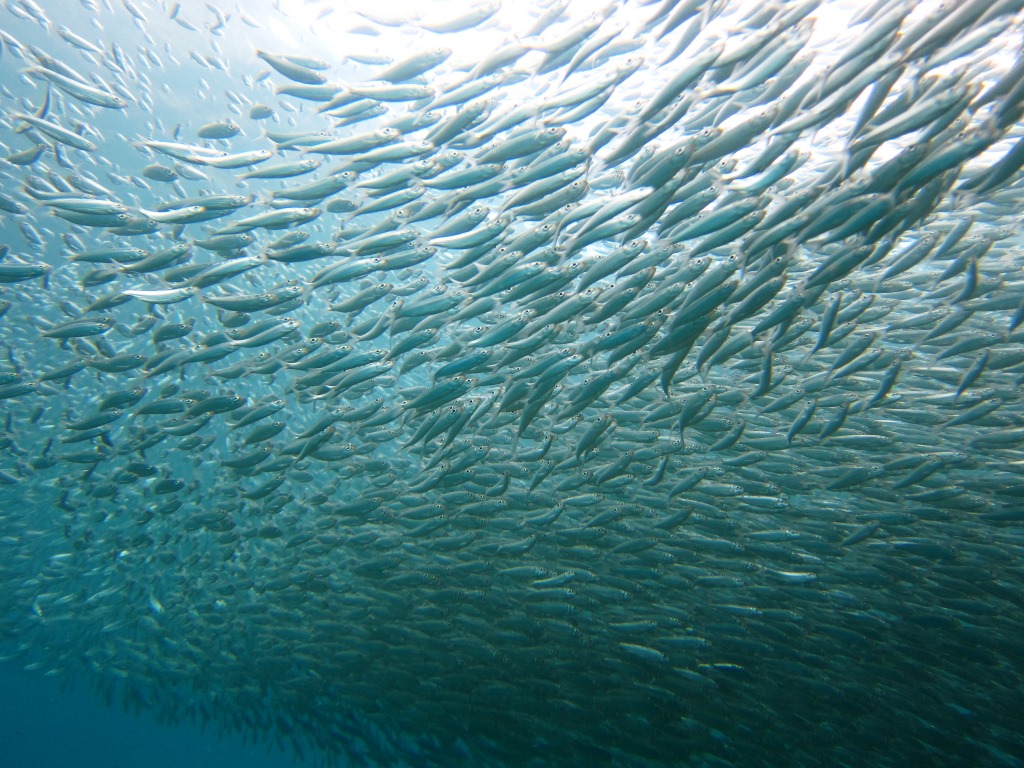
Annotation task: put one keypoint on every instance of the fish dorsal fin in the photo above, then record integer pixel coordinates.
(45, 108)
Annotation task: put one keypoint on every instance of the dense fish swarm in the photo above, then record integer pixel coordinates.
(640, 388)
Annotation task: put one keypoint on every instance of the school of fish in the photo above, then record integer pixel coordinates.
(643, 390)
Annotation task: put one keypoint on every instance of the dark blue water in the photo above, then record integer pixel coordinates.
(42, 726)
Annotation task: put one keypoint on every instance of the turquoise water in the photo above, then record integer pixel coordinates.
(43, 725)
(495, 384)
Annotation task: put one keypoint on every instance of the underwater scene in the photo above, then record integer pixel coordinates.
(545, 383)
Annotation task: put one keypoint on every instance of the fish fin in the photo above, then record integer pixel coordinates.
(45, 108)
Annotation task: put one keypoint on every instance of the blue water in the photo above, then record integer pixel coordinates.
(820, 620)
(42, 726)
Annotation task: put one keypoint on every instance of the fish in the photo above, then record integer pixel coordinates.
(540, 383)
(80, 90)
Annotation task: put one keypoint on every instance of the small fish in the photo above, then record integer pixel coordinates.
(297, 72)
(567, 390)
